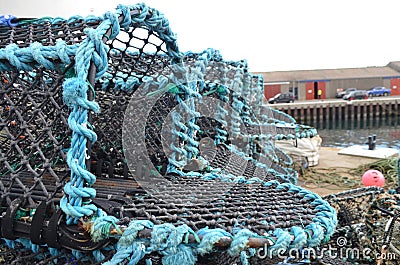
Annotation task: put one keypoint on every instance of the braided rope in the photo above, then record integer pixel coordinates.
(221, 112)
(236, 86)
(78, 192)
(258, 91)
(172, 242)
(36, 54)
(192, 83)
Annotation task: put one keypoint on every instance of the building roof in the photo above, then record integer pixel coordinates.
(390, 70)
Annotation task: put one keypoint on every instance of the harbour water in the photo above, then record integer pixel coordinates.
(347, 133)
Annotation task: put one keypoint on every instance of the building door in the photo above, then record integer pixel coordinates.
(312, 90)
(322, 87)
(309, 90)
(395, 86)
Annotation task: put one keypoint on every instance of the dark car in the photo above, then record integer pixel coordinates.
(358, 94)
(379, 91)
(282, 98)
(341, 94)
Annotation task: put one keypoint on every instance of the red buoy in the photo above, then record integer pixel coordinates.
(373, 177)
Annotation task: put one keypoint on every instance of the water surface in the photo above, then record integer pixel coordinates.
(347, 133)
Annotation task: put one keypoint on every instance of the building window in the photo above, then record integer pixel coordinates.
(295, 91)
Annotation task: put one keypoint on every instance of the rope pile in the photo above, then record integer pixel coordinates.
(350, 178)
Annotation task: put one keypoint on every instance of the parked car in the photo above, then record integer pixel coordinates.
(345, 92)
(379, 91)
(282, 98)
(358, 94)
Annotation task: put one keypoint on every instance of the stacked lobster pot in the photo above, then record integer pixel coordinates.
(118, 148)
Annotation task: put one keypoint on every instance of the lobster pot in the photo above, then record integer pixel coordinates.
(364, 223)
(118, 148)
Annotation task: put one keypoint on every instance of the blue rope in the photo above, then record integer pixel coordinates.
(237, 105)
(167, 239)
(7, 20)
(101, 226)
(35, 54)
(128, 247)
(209, 238)
(75, 96)
(282, 242)
(239, 245)
(188, 86)
(172, 242)
(221, 113)
(78, 192)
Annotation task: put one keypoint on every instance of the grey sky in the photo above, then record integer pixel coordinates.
(272, 35)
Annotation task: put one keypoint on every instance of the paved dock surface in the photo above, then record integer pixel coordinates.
(334, 163)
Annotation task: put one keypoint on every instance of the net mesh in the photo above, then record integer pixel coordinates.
(34, 136)
(47, 32)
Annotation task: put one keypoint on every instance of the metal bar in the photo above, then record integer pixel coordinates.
(91, 80)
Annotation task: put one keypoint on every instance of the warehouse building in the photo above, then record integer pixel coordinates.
(306, 83)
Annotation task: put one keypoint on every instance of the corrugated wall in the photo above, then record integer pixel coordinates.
(395, 86)
(271, 90)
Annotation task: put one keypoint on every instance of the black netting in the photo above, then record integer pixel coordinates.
(34, 135)
(46, 32)
(352, 206)
(234, 207)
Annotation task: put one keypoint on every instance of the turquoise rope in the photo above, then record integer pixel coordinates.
(221, 112)
(189, 86)
(171, 241)
(78, 192)
(237, 105)
(209, 238)
(36, 54)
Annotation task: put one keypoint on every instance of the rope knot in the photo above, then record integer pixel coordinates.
(15, 59)
(94, 49)
(38, 55)
(114, 24)
(101, 228)
(126, 13)
(168, 240)
(75, 94)
(62, 51)
(144, 10)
